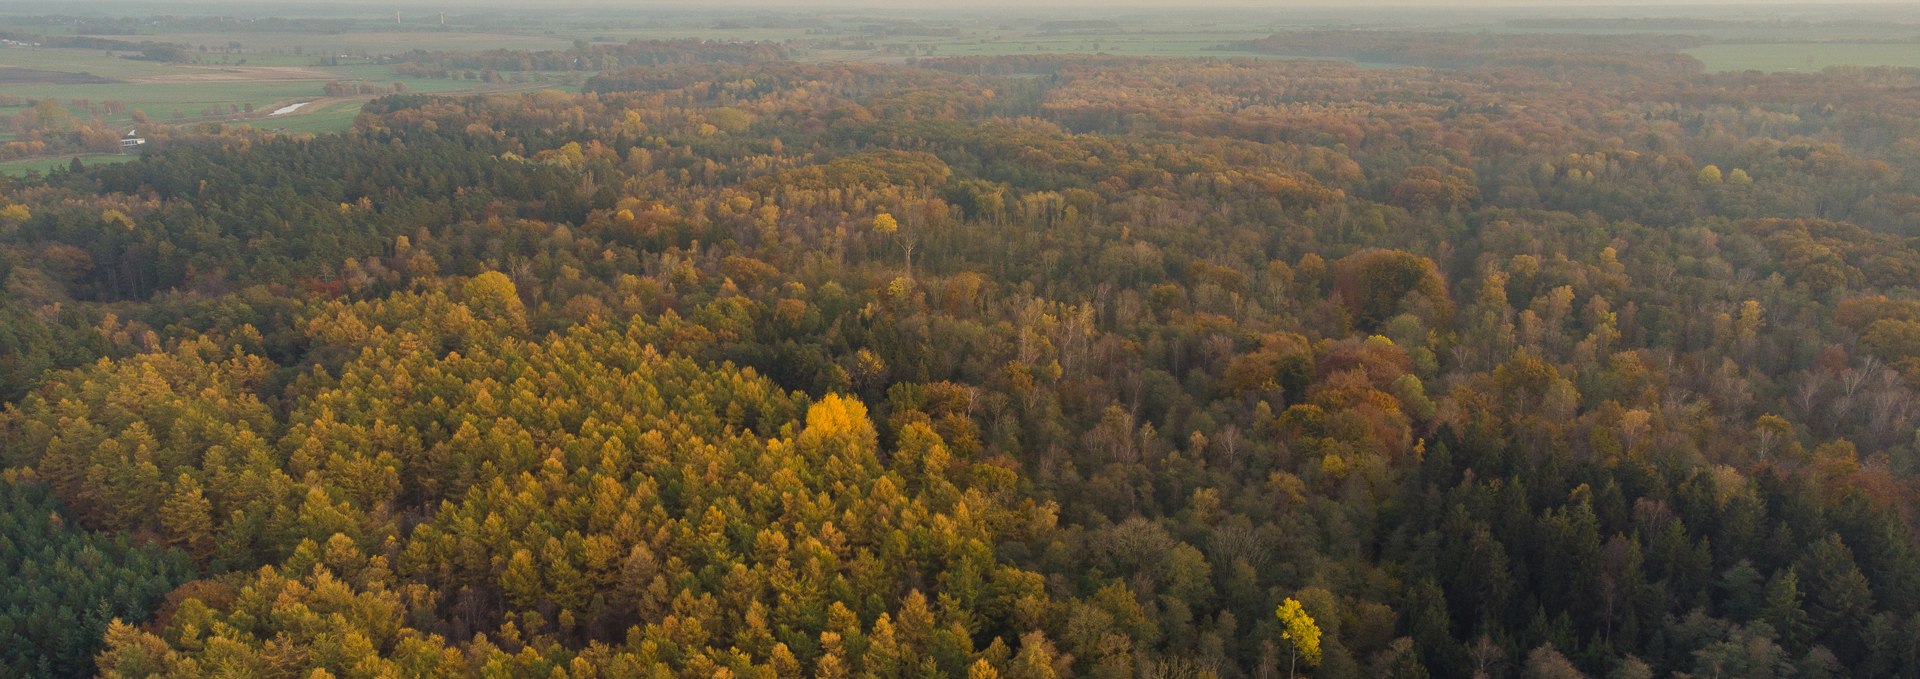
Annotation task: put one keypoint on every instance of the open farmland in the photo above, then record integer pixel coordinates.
(14, 167)
(325, 117)
(233, 86)
(236, 70)
(369, 42)
(163, 101)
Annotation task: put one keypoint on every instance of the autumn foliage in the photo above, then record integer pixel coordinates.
(1032, 366)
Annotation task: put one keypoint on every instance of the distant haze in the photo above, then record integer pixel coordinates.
(1887, 13)
(1585, 5)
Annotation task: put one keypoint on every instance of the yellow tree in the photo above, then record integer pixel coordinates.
(884, 223)
(187, 521)
(1301, 633)
(493, 296)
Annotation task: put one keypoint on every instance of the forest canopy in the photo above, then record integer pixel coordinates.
(1028, 366)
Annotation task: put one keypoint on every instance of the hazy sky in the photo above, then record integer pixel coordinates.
(1670, 7)
(1894, 11)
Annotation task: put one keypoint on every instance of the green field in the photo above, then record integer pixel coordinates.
(1805, 56)
(187, 92)
(337, 117)
(160, 101)
(97, 62)
(156, 89)
(375, 42)
(18, 167)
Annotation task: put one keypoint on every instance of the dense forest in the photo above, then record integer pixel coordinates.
(1554, 358)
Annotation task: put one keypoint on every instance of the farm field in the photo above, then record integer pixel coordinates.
(223, 90)
(1805, 56)
(374, 42)
(328, 117)
(18, 167)
(162, 90)
(168, 100)
(336, 114)
(96, 62)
